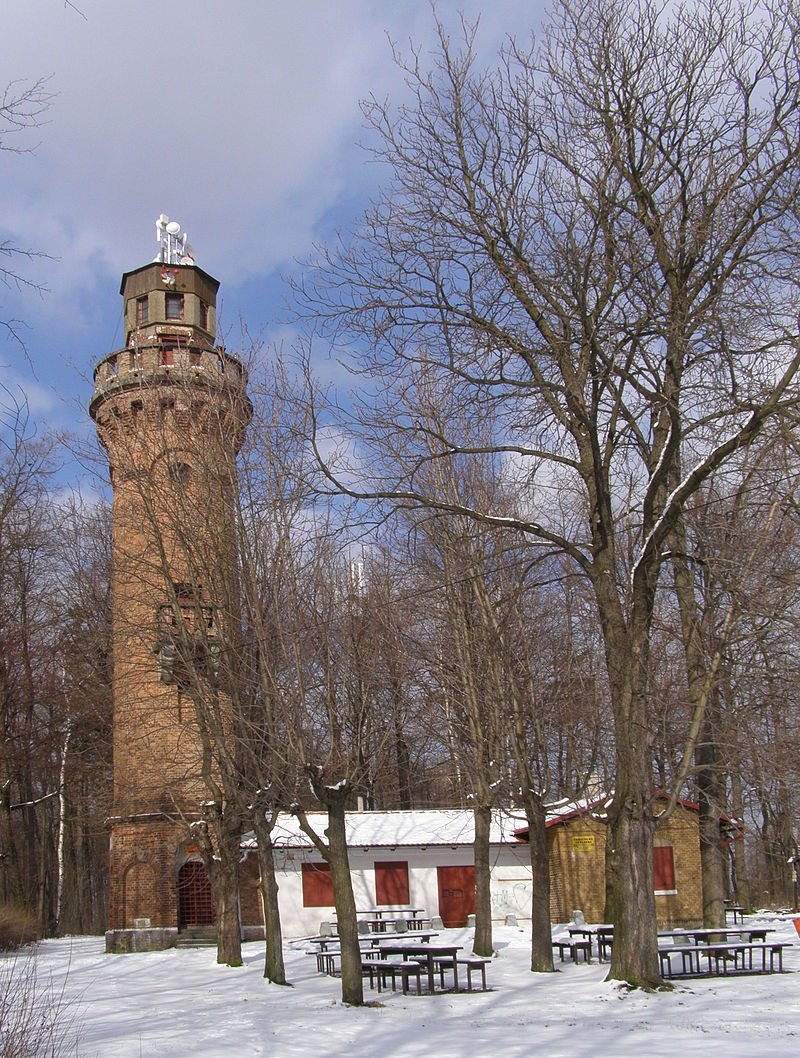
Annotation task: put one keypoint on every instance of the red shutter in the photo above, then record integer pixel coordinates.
(317, 885)
(663, 868)
(391, 882)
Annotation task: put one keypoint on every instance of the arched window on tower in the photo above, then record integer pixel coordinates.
(179, 474)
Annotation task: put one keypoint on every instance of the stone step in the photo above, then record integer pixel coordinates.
(197, 937)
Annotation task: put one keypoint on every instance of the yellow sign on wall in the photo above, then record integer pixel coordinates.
(583, 843)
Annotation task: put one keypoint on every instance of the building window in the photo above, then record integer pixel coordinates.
(664, 870)
(317, 885)
(204, 314)
(179, 472)
(391, 882)
(142, 310)
(174, 306)
(167, 357)
(184, 592)
(195, 356)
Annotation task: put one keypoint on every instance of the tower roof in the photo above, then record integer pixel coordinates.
(174, 268)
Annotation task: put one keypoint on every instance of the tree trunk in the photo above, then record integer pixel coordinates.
(226, 892)
(630, 839)
(403, 759)
(219, 844)
(710, 794)
(482, 944)
(274, 968)
(541, 932)
(700, 670)
(740, 882)
(352, 981)
(630, 895)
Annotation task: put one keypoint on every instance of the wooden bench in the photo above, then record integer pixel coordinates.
(380, 971)
(723, 959)
(326, 960)
(416, 924)
(574, 947)
(475, 963)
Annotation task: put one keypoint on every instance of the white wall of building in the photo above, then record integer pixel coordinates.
(510, 887)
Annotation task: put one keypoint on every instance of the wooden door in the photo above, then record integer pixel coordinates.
(456, 894)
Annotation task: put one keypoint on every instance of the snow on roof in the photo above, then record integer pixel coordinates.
(433, 826)
(561, 811)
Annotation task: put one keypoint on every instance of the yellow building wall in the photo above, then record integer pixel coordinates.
(577, 870)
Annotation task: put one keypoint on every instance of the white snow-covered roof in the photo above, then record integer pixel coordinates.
(420, 827)
(561, 811)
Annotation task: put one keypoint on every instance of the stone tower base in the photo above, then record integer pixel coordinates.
(124, 941)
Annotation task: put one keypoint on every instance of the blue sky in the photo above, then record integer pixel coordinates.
(240, 119)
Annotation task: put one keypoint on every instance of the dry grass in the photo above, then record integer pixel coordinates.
(35, 1019)
(17, 927)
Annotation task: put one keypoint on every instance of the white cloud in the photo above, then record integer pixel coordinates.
(25, 393)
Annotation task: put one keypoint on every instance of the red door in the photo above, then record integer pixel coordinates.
(195, 903)
(456, 894)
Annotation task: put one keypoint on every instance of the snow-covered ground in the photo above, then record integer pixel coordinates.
(180, 1004)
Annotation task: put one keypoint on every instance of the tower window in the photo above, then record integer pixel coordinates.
(167, 357)
(204, 314)
(194, 357)
(142, 310)
(179, 472)
(174, 306)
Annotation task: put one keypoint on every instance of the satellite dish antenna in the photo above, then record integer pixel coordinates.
(173, 227)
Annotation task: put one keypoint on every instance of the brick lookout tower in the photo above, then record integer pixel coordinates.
(171, 411)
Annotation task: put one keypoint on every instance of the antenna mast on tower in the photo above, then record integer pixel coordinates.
(174, 246)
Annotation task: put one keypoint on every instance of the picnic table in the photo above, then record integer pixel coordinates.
(394, 912)
(380, 918)
(429, 955)
(723, 958)
(372, 940)
(692, 944)
(736, 910)
(710, 934)
(602, 935)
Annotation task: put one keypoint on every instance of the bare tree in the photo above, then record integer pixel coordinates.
(22, 106)
(597, 240)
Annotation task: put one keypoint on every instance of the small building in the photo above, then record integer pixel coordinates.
(577, 843)
(398, 859)
(424, 859)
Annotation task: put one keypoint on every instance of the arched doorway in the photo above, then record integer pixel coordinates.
(195, 902)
